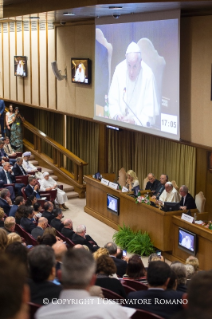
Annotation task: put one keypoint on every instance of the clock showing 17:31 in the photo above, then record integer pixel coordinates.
(169, 123)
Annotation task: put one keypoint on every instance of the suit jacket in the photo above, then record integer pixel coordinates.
(67, 232)
(154, 297)
(189, 202)
(17, 171)
(2, 108)
(2, 153)
(77, 239)
(27, 224)
(29, 191)
(121, 266)
(3, 177)
(112, 284)
(41, 290)
(8, 149)
(152, 186)
(6, 207)
(48, 215)
(57, 224)
(13, 210)
(37, 231)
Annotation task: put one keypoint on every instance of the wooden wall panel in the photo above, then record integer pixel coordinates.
(12, 54)
(1, 57)
(43, 64)
(20, 80)
(27, 80)
(51, 58)
(34, 63)
(6, 61)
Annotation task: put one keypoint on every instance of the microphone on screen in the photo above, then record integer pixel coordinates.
(128, 107)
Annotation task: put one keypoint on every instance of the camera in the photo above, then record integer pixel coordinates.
(116, 16)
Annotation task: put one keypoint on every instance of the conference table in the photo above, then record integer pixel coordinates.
(157, 223)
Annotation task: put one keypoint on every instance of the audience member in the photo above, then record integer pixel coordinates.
(162, 302)
(18, 251)
(135, 269)
(121, 265)
(59, 251)
(101, 251)
(189, 272)
(38, 209)
(56, 221)
(78, 275)
(13, 237)
(8, 148)
(18, 202)
(5, 201)
(18, 169)
(170, 194)
(119, 254)
(31, 201)
(104, 269)
(155, 257)
(80, 238)
(9, 224)
(172, 285)
(29, 167)
(187, 201)
(67, 230)
(47, 240)
(48, 208)
(1, 217)
(3, 240)
(9, 120)
(159, 190)
(42, 272)
(153, 183)
(32, 188)
(20, 213)
(14, 294)
(27, 222)
(191, 260)
(51, 231)
(4, 156)
(180, 272)
(8, 178)
(39, 230)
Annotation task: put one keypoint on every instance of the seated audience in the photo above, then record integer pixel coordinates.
(5, 201)
(39, 230)
(187, 201)
(162, 302)
(170, 194)
(191, 260)
(119, 254)
(161, 186)
(135, 269)
(13, 237)
(56, 221)
(180, 272)
(155, 257)
(4, 156)
(1, 217)
(172, 285)
(67, 230)
(47, 184)
(104, 269)
(3, 240)
(48, 208)
(20, 213)
(7, 177)
(152, 184)
(9, 224)
(18, 202)
(101, 251)
(38, 209)
(50, 230)
(27, 221)
(47, 239)
(59, 250)
(42, 272)
(189, 272)
(14, 294)
(121, 265)
(78, 275)
(31, 200)
(80, 238)
(32, 188)
(29, 167)
(18, 251)
(18, 169)
(8, 148)
(132, 180)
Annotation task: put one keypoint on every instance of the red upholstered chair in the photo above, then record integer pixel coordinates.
(127, 289)
(134, 284)
(66, 239)
(110, 294)
(27, 237)
(142, 314)
(33, 307)
(22, 179)
(42, 194)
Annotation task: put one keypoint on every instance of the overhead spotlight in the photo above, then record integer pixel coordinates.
(57, 73)
(69, 14)
(115, 8)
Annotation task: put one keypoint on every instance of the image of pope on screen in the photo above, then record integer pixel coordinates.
(132, 95)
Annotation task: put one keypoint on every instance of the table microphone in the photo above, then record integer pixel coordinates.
(124, 92)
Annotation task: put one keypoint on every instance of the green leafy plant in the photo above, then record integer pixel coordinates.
(134, 242)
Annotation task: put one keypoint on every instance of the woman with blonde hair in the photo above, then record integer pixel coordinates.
(100, 252)
(132, 180)
(13, 237)
(3, 239)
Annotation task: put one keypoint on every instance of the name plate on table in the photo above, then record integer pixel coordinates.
(113, 185)
(104, 181)
(187, 218)
(124, 189)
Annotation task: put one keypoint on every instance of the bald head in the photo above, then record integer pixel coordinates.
(68, 223)
(59, 250)
(42, 222)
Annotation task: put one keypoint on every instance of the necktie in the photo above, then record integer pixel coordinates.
(8, 177)
(8, 149)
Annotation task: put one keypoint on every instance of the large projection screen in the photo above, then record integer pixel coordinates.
(137, 72)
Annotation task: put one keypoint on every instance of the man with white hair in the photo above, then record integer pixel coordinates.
(29, 167)
(80, 238)
(187, 201)
(170, 194)
(132, 95)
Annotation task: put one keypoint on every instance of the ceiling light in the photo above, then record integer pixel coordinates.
(115, 8)
(34, 17)
(69, 14)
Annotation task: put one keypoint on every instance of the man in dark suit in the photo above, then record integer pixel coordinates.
(48, 208)
(5, 201)
(56, 221)
(2, 108)
(39, 230)
(121, 265)
(32, 188)
(67, 230)
(187, 201)
(161, 186)
(157, 299)
(153, 183)
(7, 177)
(18, 202)
(4, 156)
(18, 169)
(80, 238)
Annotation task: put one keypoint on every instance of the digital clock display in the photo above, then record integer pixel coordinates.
(169, 123)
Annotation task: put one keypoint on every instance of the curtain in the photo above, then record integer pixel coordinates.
(83, 140)
(150, 154)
